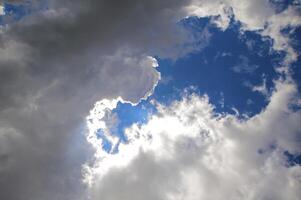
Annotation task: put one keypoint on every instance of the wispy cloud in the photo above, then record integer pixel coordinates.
(244, 66)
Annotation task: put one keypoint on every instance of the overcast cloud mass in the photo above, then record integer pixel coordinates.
(66, 65)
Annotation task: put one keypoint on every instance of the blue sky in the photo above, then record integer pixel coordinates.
(15, 12)
(242, 60)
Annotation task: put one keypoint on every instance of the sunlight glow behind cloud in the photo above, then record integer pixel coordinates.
(204, 149)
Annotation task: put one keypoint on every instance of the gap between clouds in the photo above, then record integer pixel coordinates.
(199, 150)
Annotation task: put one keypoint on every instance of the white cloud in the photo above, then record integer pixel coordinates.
(261, 88)
(2, 10)
(187, 151)
(256, 15)
(244, 66)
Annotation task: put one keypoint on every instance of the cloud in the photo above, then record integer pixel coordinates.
(57, 62)
(46, 121)
(10, 1)
(187, 151)
(261, 88)
(18, 2)
(266, 21)
(244, 66)
(1, 10)
(54, 65)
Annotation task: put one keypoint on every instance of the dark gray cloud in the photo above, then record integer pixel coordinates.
(54, 65)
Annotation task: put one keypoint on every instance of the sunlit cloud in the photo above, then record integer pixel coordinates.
(232, 157)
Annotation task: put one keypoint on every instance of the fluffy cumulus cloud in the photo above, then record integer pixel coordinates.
(56, 62)
(188, 151)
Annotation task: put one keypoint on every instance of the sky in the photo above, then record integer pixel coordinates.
(153, 100)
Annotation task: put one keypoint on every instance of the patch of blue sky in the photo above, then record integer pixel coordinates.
(129, 114)
(15, 12)
(106, 144)
(292, 159)
(211, 71)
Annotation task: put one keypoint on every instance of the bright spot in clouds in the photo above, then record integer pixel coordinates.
(2, 10)
(230, 157)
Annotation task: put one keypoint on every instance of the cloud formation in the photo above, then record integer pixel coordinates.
(187, 151)
(57, 62)
(258, 15)
(54, 65)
